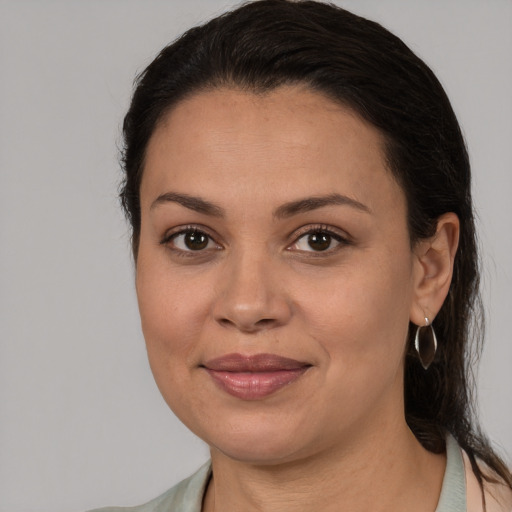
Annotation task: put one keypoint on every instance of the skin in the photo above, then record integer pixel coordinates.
(338, 433)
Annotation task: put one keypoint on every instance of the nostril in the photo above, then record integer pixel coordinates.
(264, 322)
(248, 326)
(225, 322)
(249, 309)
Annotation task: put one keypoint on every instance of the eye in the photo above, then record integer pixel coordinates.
(190, 240)
(318, 240)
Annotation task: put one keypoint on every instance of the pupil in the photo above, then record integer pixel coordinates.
(196, 241)
(319, 241)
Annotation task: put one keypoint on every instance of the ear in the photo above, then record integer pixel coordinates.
(433, 269)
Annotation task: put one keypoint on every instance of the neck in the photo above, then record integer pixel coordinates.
(384, 470)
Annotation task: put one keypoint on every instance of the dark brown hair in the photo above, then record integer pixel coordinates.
(265, 44)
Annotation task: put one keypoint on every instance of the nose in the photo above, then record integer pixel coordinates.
(251, 297)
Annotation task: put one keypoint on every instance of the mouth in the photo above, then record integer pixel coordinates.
(254, 377)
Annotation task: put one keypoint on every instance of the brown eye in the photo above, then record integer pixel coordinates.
(190, 240)
(195, 240)
(319, 241)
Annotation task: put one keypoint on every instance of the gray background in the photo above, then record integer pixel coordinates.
(81, 421)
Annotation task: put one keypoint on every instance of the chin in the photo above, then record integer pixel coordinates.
(258, 442)
(262, 453)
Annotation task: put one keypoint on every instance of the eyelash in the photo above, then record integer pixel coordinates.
(297, 236)
(169, 237)
(323, 229)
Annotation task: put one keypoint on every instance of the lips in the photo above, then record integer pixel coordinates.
(254, 377)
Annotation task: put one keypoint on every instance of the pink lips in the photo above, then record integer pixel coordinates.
(254, 377)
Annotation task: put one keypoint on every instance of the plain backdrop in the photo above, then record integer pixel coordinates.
(81, 421)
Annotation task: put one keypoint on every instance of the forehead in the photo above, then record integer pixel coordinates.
(291, 140)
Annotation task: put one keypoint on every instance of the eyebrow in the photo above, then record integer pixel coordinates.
(284, 211)
(313, 203)
(192, 203)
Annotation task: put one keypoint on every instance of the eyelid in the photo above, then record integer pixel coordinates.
(339, 235)
(169, 233)
(320, 228)
(187, 228)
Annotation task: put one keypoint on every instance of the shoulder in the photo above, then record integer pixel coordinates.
(186, 496)
(498, 497)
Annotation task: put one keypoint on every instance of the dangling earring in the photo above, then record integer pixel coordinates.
(425, 343)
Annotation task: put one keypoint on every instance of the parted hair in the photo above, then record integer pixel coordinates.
(265, 44)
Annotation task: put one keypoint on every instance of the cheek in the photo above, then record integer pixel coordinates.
(364, 323)
(172, 314)
(362, 331)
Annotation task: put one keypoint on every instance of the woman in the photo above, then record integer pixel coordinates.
(299, 193)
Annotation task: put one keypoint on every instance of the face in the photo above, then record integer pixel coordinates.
(275, 277)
